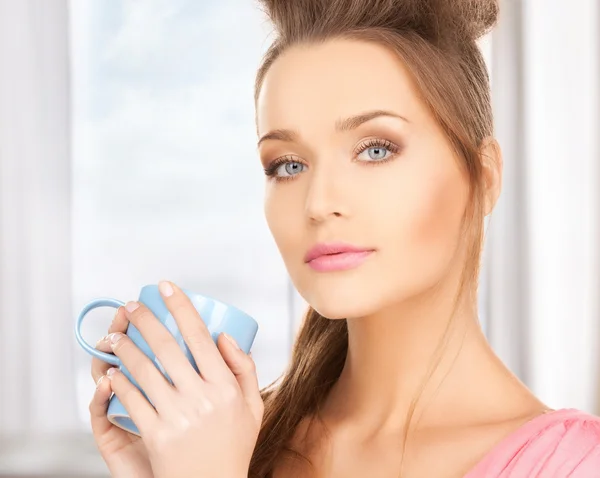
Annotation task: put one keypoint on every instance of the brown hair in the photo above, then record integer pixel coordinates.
(436, 41)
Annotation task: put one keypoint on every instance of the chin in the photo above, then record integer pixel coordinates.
(343, 302)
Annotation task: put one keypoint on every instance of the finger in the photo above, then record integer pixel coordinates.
(195, 333)
(168, 352)
(98, 407)
(144, 372)
(118, 324)
(99, 367)
(141, 412)
(244, 369)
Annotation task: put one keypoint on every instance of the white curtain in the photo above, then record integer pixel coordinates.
(38, 420)
(504, 305)
(36, 376)
(541, 259)
(562, 85)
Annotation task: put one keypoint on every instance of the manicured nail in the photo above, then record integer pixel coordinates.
(165, 288)
(110, 372)
(99, 382)
(131, 306)
(102, 340)
(232, 340)
(115, 337)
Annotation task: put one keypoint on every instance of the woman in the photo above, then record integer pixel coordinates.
(376, 135)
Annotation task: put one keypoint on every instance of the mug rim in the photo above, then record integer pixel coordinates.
(189, 292)
(111, 418)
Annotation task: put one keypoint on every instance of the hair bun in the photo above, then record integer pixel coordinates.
(479, 16)
(437, 21)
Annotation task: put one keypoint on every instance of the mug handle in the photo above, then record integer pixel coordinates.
(110, 358)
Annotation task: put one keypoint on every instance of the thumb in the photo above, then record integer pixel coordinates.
(244, 369)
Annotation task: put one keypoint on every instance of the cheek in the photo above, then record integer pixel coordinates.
(284, 220)
(428, 212)
(438, 210)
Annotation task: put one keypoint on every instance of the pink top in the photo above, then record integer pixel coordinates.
(559, 444)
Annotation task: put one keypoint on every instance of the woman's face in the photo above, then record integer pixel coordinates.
(386, 184)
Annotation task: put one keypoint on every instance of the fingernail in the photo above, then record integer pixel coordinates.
(232, 340)
(99, 382)
(131, 306)
(165, 288)
(110, 372)
(115, 337)
(103, 339)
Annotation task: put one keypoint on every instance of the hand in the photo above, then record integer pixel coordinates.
(125, 454)
(203, 425)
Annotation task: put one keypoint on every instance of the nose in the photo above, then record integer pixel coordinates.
(325, 196)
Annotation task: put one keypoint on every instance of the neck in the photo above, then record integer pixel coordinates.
(425, 341)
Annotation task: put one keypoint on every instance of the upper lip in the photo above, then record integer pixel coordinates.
(325, 248)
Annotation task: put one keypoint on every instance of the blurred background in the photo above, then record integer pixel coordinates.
(128, 155)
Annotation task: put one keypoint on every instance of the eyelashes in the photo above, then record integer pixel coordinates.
(378, 144)
(288, 167)
(275, 165)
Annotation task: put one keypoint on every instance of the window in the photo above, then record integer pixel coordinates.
(167, 181)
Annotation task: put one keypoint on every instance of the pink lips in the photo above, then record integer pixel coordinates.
(327, 257)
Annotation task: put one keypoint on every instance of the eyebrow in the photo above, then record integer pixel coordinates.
(346, 124)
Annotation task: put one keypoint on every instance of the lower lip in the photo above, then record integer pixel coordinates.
(339, 262)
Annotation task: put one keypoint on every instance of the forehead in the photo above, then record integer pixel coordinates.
(314, 85)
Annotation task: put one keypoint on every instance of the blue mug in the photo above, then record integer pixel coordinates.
(217, 316)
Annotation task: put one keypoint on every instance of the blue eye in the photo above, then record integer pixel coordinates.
(284, 168)
(376, 153)
(378, 150)
(290, 168)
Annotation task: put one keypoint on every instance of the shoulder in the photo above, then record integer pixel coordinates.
(565, 442)
(573, 447)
